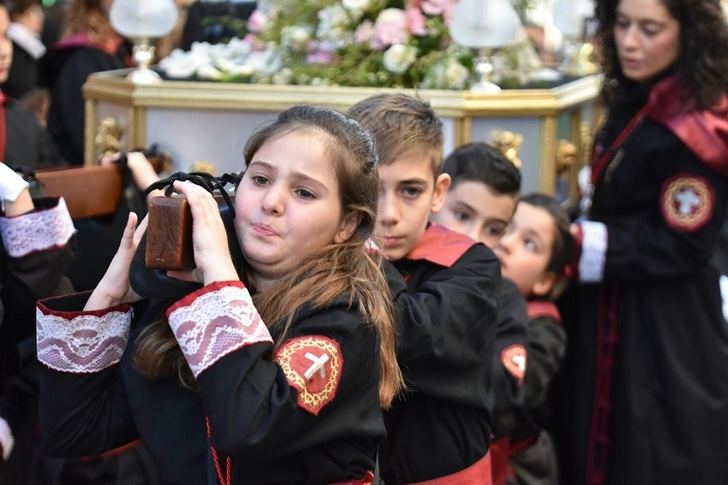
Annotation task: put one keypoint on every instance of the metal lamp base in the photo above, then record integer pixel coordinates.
(143, 57)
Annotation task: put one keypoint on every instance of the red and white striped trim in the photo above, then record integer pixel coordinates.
(593, 251)
(82, 342)
(214, 321)
(35, 231)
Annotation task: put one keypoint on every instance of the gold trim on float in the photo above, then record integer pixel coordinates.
(547, 167)
(88, 132)
(111, 86)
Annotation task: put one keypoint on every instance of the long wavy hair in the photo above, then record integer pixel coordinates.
(88, 16)
(345, 268)
(702, 63)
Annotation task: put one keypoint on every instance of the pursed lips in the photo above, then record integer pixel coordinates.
(264, 230)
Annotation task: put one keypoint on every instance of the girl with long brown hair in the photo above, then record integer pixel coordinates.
(277, 379)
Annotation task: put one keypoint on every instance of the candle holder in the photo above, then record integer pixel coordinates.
(143, 55)
(484, 25)
(143, 20)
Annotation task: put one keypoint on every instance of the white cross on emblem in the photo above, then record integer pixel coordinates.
(519, 361)
(318, 365)
(688, 200)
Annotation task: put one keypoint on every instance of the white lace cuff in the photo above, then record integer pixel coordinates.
(82, 342)
(593, 252)
(40, 230)
(215, 321)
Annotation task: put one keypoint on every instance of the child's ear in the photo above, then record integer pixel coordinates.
(442, 185)
(545, 284)
(347, 227)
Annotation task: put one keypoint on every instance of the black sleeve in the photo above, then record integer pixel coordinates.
(29, 278)
(510, 332)
(546, 348)
(83, 413)
(646, 245)
(446, 326)
(253, 410)
(20, 395)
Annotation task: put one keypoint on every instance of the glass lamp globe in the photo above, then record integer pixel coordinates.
(141, 21)
(570, 18)
(485, 25)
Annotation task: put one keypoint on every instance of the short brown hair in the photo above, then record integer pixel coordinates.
(19, 7)
(401, 124)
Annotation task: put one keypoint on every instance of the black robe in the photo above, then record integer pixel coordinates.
(509, 367)
(646, 392)
(27, 143)
(510, 345)
(23, 74)
(24, 279)
(252, 408)
(445, 292)
(64, 69)
(533, 456)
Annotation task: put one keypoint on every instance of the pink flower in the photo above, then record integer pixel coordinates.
(257, 21)
(416, 21)
(320, 57)
(390, 28)
(364, 32)
(438, 7)
(254, 42)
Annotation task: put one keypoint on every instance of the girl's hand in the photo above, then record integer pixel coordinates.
(114, 288)
(209, 239)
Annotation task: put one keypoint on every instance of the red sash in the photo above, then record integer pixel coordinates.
(479, 473)
(367, 480)
(499, 451)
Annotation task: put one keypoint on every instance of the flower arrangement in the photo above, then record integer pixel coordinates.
(374, 43)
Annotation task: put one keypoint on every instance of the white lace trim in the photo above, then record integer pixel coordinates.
(215, 324)
(82, 344)
(37, 231)
(593, 252)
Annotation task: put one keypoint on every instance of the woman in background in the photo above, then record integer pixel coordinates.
(646, 389)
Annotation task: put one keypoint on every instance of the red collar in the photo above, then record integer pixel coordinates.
(704, 132)
(540, 308)
(440, 246)
(81, 39)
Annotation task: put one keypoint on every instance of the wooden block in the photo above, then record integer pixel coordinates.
(169, 234)
(89, 191)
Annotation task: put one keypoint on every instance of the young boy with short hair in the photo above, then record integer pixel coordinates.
(444, 286)
(480, 203)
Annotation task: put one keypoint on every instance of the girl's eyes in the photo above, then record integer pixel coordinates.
(259, 180)
(530, 245)
(305, 194)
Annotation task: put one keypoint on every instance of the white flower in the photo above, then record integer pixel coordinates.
(356, 5)
(447, 74)
(208, 71)
(295, 37)
(398, 58)
(333, 26)
(456, 75)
